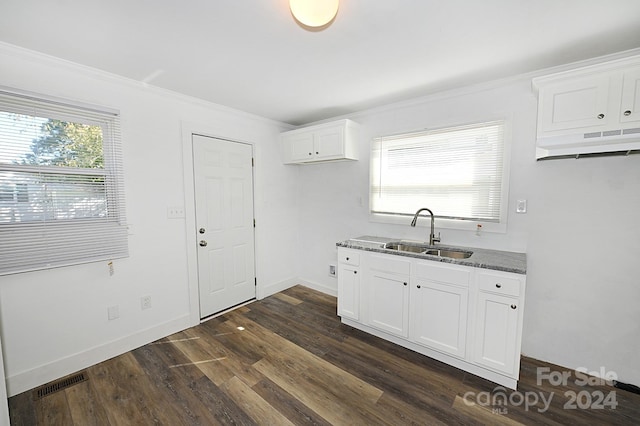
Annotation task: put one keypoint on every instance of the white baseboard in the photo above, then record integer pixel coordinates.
(283, 285)
(38, 376)
(274, 288)
(319, 287)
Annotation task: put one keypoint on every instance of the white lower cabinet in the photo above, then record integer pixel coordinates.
(349, 285)
(388, 307)
(498, 322)
(468, 317)
(439, 316)
(386, 293)
(438, 307)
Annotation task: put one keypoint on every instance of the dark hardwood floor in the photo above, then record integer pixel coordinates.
(286, 360)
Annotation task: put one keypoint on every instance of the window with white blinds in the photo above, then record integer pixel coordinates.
(61, 184)
(457, 172)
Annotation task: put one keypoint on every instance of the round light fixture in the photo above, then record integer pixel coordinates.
(314, 13)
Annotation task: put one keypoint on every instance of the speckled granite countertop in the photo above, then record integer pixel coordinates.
(481, 258)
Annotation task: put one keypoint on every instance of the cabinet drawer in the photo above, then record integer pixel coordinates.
(442, 272)
(390, 264)
(349, 257)
(501, 284)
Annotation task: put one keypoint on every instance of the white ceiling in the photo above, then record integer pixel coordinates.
(251, 55)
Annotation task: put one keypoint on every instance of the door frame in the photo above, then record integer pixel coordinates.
(188, 130)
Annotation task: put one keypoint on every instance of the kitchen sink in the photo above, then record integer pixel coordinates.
(429, 250)
(406, 247)
(453, 254)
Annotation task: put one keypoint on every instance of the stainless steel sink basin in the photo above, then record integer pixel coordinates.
(453, 254)
(405, 247)
(426, 249)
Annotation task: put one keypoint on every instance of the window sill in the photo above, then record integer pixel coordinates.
(424, 221)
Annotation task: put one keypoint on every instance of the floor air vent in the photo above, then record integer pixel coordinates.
(59, 385)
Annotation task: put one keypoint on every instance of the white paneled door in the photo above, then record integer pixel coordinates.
(223, 178)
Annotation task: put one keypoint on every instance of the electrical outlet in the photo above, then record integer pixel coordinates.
(175, 212)
(332, 270)
(113, 312)
(145, 302)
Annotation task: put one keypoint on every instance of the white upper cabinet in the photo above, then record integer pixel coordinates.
(575, 104)
(299, 146)
(593, 109)
(589, 99)
(337, 140)
(631, 96)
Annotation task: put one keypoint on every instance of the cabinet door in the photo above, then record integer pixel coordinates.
(348, 292)
(388, 307)
(438, 316)
(630, 108)
(301, 146)
(329, 143)
(496, 332)
(579, 103)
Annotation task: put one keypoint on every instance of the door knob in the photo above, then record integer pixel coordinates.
(203, 243)
(202, 230)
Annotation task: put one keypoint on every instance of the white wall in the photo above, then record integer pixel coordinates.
(54, 322)
(580, 234)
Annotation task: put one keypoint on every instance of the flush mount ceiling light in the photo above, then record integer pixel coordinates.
(314, 13)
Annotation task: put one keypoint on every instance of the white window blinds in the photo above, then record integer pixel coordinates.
(456, 172)
(61, 184)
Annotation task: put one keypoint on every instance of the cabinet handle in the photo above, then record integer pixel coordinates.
(355, 272)
(317, 152)
(310, 153)
(418, 286)
(347, 258)
(404, 283)
(513, 306)
(498, 285)
(627, 113)
(600, 116)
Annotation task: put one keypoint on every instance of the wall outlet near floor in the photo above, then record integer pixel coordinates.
(145, 302)
(113, 312)
(332, 270)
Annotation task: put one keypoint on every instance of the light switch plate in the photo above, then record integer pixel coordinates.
(521, 206)
(175, 212)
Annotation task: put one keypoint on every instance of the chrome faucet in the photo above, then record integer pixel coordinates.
(432, 235)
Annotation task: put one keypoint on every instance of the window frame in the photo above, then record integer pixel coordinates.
(444, 222)
(110, 232)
